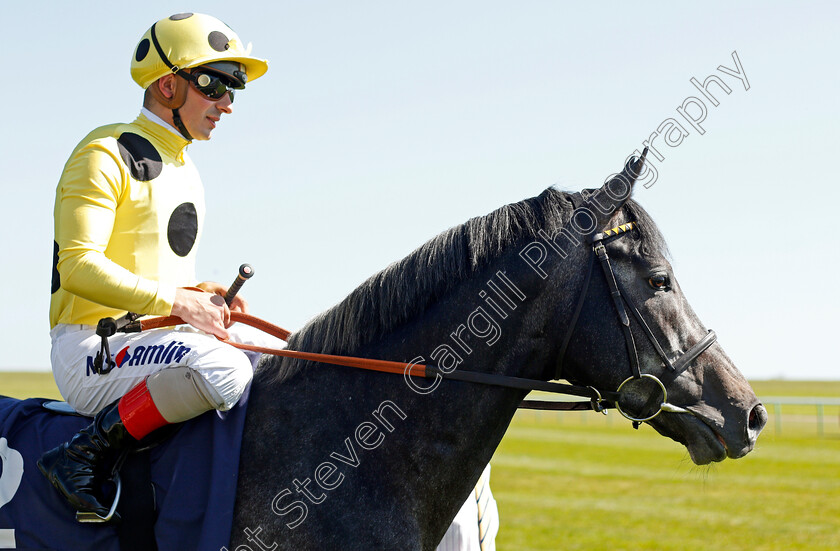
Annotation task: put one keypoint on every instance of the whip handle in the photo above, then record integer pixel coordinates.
(245, 273)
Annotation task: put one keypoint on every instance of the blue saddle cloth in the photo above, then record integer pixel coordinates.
(194, 475)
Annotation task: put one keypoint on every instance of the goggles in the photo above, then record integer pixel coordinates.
(212, 85)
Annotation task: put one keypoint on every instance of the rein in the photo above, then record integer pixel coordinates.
(599, 401)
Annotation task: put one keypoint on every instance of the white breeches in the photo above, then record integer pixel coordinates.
(226, 370)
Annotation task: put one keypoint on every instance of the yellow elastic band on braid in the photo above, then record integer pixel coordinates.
(624, 228)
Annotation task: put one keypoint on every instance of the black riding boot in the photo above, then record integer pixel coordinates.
(77, 468)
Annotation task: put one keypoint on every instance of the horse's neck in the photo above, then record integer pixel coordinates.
(465, 331)
(409, 454)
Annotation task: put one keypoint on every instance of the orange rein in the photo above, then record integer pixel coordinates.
(283, 334)
(598, 400)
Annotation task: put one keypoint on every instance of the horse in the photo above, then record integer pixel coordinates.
(337, 458)
(357, 460)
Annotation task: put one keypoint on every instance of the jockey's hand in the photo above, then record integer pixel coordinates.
(205, 311)
(239, 304)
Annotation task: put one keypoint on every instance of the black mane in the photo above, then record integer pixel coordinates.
(406, 288)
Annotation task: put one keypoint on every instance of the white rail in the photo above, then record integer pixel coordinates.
(776, 402)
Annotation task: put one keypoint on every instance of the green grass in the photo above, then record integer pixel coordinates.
(581, 481)
(37, 384)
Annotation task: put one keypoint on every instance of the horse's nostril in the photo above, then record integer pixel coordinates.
(758, 418)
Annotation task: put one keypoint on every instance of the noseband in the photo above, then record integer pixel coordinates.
(622, 302)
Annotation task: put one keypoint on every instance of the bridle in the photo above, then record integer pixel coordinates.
(621, 301)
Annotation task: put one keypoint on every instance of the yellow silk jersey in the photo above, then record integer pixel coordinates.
(129, 208)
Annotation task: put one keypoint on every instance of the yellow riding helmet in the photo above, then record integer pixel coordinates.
(187, 40)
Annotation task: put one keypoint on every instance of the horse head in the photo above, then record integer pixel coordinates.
(640, 335)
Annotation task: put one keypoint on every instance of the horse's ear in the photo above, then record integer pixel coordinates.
(616, 190)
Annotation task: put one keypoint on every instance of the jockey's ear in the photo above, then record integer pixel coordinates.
(603, 202)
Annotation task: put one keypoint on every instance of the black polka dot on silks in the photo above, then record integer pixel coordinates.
(56, 277)
(140, 156)
(180, 16)
(183, 229)
(142, 50)
(218, 41)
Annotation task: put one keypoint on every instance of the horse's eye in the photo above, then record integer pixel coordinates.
(660, 282)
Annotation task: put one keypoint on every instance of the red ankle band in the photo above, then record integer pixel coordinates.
(138, 412)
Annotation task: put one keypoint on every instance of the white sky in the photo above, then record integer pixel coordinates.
(381, 124)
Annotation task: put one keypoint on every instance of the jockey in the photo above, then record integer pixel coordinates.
(128, 213)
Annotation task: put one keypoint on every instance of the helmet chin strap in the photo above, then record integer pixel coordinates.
(179, 124)
(179, 97)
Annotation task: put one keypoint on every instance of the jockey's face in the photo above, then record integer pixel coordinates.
(200, 113)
